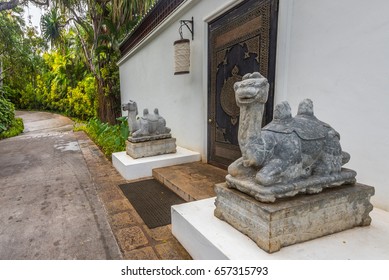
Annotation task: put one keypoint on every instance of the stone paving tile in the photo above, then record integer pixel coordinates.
(117, 206)
(101, 179)
(192, 181)
(111, 195)
(131, 238)
(105, 187)
(146, 253)
(135, 216)
(122, 220)
(160, 233)
(171, 251)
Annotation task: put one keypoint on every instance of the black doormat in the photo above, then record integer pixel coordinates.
(152, 201)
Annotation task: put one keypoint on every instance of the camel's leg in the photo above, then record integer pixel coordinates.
(270, 173)
(279, 171)
(237, 169)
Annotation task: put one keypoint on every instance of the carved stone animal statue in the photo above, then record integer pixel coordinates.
(287, 149)
(149, 126)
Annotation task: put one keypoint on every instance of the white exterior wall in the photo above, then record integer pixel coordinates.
(337, 54)
(181, 99)
(334, 52)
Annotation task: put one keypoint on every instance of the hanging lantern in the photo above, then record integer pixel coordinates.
(181, 56)
(182, 49)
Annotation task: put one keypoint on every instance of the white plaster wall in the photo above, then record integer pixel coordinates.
(181, 99)
(334, 52)
(337, 54)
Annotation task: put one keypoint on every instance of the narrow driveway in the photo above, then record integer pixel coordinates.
(49, 208)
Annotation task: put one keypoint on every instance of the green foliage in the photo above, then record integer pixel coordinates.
(110, 138)
(15, 129)
(79, 76)
(20, 54)
(81, 98)
(34, 78)
(63, 86)
(7, 114)
(51, 24)
(100, 26)
(9, 126)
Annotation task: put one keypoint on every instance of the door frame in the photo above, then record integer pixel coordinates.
(274, 4)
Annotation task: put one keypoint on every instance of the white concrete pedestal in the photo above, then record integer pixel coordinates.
(206, 237)
(132, 169)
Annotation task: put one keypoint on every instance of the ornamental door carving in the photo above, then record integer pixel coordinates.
(241, 41)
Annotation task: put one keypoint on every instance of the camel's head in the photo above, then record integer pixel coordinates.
(253, 87)
(130, 106)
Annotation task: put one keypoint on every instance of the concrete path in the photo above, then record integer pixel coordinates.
(49, 207)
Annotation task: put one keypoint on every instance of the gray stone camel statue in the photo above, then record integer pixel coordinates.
(287, 150)
(147, 127)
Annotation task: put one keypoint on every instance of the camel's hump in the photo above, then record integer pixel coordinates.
(306, 127)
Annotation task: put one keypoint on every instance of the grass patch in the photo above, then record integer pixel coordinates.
(15, 129)
(110, 138)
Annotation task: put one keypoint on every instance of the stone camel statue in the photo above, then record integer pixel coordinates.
(147, 127)
(287, 149)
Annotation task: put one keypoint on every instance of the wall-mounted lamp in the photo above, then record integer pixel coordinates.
(182, 49)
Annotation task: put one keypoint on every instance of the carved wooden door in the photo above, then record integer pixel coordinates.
(241, 41)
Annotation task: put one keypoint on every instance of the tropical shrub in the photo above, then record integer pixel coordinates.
(9, 126)
(81, 99)
(110, 138)
(61, 87)
(7, 114)
(84, 37)
(15, 129)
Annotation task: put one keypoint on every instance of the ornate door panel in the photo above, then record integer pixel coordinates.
(241, 41)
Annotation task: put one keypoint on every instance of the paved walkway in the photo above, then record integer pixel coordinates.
(48, 203)
(59, 200)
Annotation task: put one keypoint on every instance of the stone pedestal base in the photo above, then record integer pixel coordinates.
(132, 169)
(294, 220)
(313, 184)
(151, 148)
(149, 138)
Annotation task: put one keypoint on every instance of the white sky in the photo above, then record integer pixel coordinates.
(35, 13)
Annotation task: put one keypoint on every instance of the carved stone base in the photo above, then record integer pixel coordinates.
(151, 148)
(313, 184)
(149, 138)
(297, 219)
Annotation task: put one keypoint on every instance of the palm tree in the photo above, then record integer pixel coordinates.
(51, 25)
(100, 25)
(124, 10)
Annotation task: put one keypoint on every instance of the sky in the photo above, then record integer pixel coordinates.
(35, 13)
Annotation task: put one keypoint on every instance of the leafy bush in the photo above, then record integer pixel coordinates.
(62, 85)
(15, 129)
(110, 138)
(7, 114)
(81, 99)
(9, 126)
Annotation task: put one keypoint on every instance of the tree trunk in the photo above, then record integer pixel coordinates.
(108, 105)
